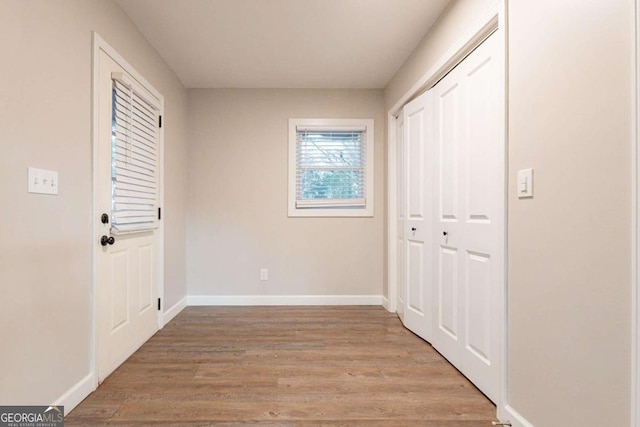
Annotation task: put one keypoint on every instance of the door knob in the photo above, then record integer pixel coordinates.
(104, 240)
(413, 229)
(444, 233)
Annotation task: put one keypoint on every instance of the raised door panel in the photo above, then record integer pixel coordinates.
(415, 262)
(145, 271)
(480, 148)
(119, 284)
(448, 292)
(448, 128)
(478, 304)
(415, 125)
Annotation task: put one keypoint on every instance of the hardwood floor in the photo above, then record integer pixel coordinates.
(285, 366)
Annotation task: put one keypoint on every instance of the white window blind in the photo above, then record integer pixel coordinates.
(331, 167)
(134, 158)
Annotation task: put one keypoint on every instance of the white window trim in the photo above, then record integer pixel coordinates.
(367, 211)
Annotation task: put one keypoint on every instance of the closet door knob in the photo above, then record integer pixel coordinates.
(413, 229)
(444, 233)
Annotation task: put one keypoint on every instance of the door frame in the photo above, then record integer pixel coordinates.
(635, 223)
(98, 45)
(493, 21)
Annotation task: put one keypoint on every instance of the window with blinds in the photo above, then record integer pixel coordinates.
(134, 157)
(332, 166)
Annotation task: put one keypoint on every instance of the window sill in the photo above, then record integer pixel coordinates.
(330, 213)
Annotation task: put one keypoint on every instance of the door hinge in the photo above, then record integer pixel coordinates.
(159, 304)
(159, 121)
(159, 213)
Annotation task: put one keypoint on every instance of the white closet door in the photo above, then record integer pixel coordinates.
(469, 217)
(418, 223)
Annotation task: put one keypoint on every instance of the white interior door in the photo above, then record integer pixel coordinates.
(127, 266)
(469, 216)
(417, 227)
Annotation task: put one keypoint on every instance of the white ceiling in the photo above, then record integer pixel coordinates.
(284, 43)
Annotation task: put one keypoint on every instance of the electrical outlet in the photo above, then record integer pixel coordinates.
(264, 274)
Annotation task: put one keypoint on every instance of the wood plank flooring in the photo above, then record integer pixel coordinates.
(285, 366)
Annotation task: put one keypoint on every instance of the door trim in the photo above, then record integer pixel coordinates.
(99, 44)
(635, 224)
(494, 20)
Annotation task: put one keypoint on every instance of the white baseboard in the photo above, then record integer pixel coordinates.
(515, 418)
(168, 315)
(284, 300)
(76, 394)
(385, 302)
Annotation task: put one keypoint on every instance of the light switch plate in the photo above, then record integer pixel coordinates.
(42, 181)
(525, 183)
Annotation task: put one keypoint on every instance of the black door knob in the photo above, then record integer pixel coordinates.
(105, 240)
(413, 229)
(444, 233)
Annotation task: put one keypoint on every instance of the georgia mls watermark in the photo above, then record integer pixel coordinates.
(31, 416)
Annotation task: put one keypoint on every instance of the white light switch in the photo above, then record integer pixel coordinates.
(525, 183)
(264, 274)
(42, 181)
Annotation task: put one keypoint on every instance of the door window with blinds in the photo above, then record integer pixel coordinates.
(330, 167)
(134, 157)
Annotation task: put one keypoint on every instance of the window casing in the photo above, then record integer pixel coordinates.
(331, 167)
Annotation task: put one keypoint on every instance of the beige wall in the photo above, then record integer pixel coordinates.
(46, 241)
(237, 212)
(569, 288)
(570, 98)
